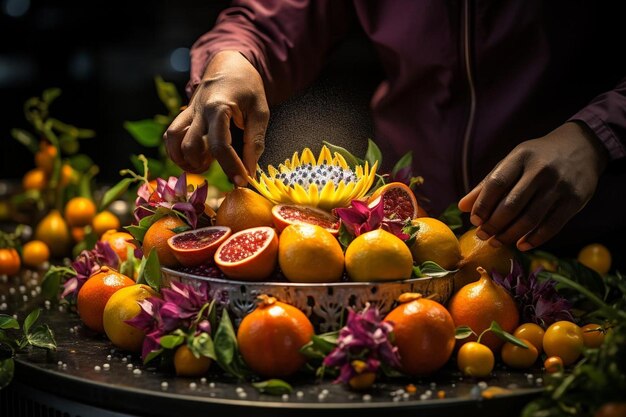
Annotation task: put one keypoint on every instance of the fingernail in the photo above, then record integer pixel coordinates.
(475, 220)
(480, 234)
(239, 181)
(495, 243)
(524, 246)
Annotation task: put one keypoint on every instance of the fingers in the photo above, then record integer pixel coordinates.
(549, 227)
(174, 135)
(219, 141)
(194, 148)
(254, 138)
(467, 202)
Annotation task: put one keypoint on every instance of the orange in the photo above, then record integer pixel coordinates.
(475, 253)
(53, 231)
(156, 237)
(243, 209)
(531, 332)
(593, 335)
(597, 257)
(105, 221)
(310, 253)
(611, 409)
(435, 242)
(119, 242)
(123, 305)
(475, 359)
(35, 179)
(80, 211)
(378, 256)
(478, 304)
(67, 175)
(95, 293)
(249, 255)
(363, 381)
(398, 201)
(196, 180)
(78, 233)
(424, 333)
(10, 262)
(565, 340)
(518, 357)
(271, 336)
(35, 253)
(44, 158)
(188, 365)
(553, 364)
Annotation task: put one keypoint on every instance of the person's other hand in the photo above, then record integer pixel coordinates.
(231, 88)
(533, 192)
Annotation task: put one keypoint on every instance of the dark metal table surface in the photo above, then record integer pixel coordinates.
(87, 373)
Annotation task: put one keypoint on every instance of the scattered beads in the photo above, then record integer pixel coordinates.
(203, 380)
(285, 397)
(367, 398)
(137, 371)
(193, 386)
(97, 368)
(164, 385)
(106, 366)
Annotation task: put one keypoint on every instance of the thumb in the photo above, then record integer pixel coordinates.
(255, 126)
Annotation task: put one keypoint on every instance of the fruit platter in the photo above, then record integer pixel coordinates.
(324, 284)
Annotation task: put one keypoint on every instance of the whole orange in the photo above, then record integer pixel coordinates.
(119, 242)
(478, 304)
(156, 237)
(94, 294)
(35, 179)
(35, 253)
(80, 211)
(271, 336)
(44, 158)
(187, 364)
(424, 334)
(10, 262)
(53, 231)
(243, 209)
(104, 221)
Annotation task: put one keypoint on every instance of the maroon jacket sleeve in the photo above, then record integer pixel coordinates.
(606, 116)
(285, 40)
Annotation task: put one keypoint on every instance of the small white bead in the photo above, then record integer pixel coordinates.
(242, 395)
(203, 380)
(60, 363)
(22, 289)
(11, 290)
(109, 357)
(164, 385)
(136, 371)
(106, 366)
(299, 394)
(129, 366)
(193, 385)
(97, 368)
(211, 384)
(239, 390)
(367, 398)
(482, 385)
(285, 397)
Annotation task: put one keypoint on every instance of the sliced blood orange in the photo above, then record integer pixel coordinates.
(286, 214)
(398, 201)
(196, 247)
(249, 255)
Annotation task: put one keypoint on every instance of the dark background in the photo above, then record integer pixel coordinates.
(104, 56)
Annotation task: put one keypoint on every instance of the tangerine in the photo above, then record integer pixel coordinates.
(35, 179)
(435, 242)
(475, 359)
(156, 237)
(531, 332)
(187, 364)
(243, 209)
(104, 221)
(44, 158)
(35, 253)
(519, 357)
(95, 293)
(593, 335)
(597, 257)
(53, 231)
(565, 340)
(378, 256)
(553, 364)
(271, 336)
(79, 211)
(309, 253)
(424, 333)
(10, 262)
(119, 242)
(67, 175)
(478, 304)
(123, 305)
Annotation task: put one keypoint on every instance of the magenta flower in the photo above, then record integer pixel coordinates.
(360, 218)
(172, 194)
(178, 309)
(366, 339)
(87, 263)
(538, 301)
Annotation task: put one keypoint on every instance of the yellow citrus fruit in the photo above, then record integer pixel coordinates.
(195, 179)
(597, 257)
(35, 179)
(53, 231)
(519, 357)
(435, 242)
(593, 335)
(35, 253)
(10, 262)
(80, 211)
(553, 364)
(478, 304)
(119, 242)
(187, 365)
(156, 237)
(243, 209)
(475, 359)
(105, 221)
(44, 158)
(123, 305)
(475, 253)
(565, 340)
(67, 175)
(531, 332)
(378, 256)
(309, 253)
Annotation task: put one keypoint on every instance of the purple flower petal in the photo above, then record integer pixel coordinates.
(180, 187)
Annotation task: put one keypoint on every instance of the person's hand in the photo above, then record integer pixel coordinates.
(533, 192)
(231, 88)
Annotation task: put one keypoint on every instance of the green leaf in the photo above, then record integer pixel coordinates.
(52, 281)
(273, 387)
(463, 332)
(131, 265)
(405, 161)
(8, 322)
(432, 269)
(351, 160)
(412, 230)
(115, 192)
(50, 94)
(42, 337)
(171, 341)
(226, 348)
(373, 153)
(507, 337)
(150, 271)
(26, 139)
(168, 95)
(216, 177)
(68, 144)
(146, 132)
(202, 345)
(31, 319)
(320, 345)
(152, 355)
(7, 368)
(81, 162)
(181, 229)
(156, 168)
(452, 217)
(344, 236)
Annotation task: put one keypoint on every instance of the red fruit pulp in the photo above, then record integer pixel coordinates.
(397, 204)
(198, 239)
(243, 246)
(299, 214)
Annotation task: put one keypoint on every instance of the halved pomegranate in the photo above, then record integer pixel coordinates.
(196, 247)
(249, 255)
(398, 201)
(286, 214)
